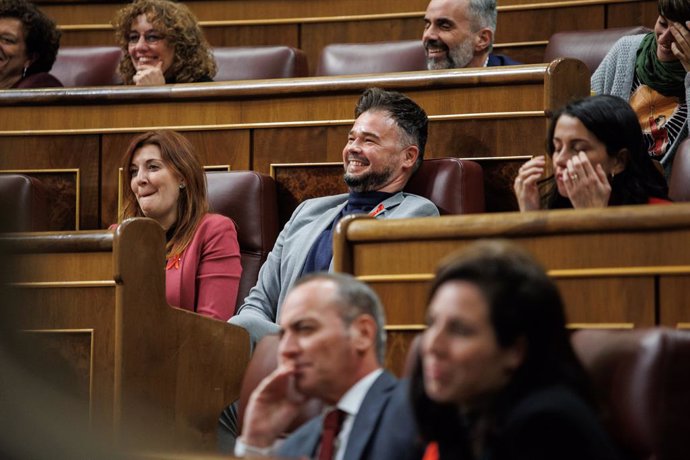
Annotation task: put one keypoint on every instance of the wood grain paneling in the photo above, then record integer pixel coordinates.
(258, 35)
(674, 301)
(642, 13)
(75, 153)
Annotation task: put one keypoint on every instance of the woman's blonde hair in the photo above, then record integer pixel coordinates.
(193, 56)
(178, 154)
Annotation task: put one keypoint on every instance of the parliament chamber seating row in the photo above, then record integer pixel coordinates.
(638, 378)
(93, 302)
(523, 29)
(97, 65)
(76, 136)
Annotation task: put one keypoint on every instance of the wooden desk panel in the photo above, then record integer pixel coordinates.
(151, 374)
(71, 175)
(619, 267)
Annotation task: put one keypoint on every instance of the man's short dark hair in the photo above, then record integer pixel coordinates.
(409, 117)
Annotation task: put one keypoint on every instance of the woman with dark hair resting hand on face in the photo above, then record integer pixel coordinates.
(596, 158)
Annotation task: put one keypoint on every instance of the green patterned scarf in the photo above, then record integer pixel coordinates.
(667, 78)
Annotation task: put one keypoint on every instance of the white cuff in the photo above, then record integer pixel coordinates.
(245, 450)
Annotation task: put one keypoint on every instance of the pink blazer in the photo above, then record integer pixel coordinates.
(206, 277)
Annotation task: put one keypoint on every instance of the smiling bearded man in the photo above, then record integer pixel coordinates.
(384, 148)
(460, 33)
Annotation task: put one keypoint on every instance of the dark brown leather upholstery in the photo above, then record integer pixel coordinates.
(259, 62)
(357, 58)
(643, 379)
(679, 183)
(249, 199)
(455, 186)
(589, 46)
(87, 66)
(23, 204)
(264, 361)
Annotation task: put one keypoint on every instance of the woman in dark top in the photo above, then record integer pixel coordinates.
(162, 43)
(498, 378)
(29, 43)
(596, 158)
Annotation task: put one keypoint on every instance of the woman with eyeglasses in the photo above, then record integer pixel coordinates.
(162, 43)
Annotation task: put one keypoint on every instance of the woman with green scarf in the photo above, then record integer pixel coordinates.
(650, 71)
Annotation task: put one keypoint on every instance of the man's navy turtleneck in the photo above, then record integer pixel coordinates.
(321, 253)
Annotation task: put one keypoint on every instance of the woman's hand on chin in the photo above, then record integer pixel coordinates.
(587, 186)
(149, 75)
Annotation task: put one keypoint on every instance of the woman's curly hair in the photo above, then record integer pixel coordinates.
(41, 36)
(193, 56)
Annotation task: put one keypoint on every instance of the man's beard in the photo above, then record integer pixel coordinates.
(456, 58)
(369, 181)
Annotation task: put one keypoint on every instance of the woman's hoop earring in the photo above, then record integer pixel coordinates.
(24, 71)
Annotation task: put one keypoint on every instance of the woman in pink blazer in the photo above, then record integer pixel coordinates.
(167, 184)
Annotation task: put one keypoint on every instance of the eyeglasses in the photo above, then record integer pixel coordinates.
(151, 38)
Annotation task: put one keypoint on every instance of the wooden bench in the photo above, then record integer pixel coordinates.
(150, 374)
(617, 268)
(488, 113)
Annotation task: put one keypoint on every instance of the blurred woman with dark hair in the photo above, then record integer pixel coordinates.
(29, 43)
(651, 72)
(167, 183)
(162, 43)
(498, 377)
(596, 159)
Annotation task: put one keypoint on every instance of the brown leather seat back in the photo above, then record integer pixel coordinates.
(259, 62)
(23, 204)
(249, 199)
(643, 380)
(455, 186)
(357, 58)
(679, 183)
(87, 65)
(264, 361)
(589, 46)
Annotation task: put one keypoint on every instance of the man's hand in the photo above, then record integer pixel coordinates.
(271, 408)
(149, 75)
